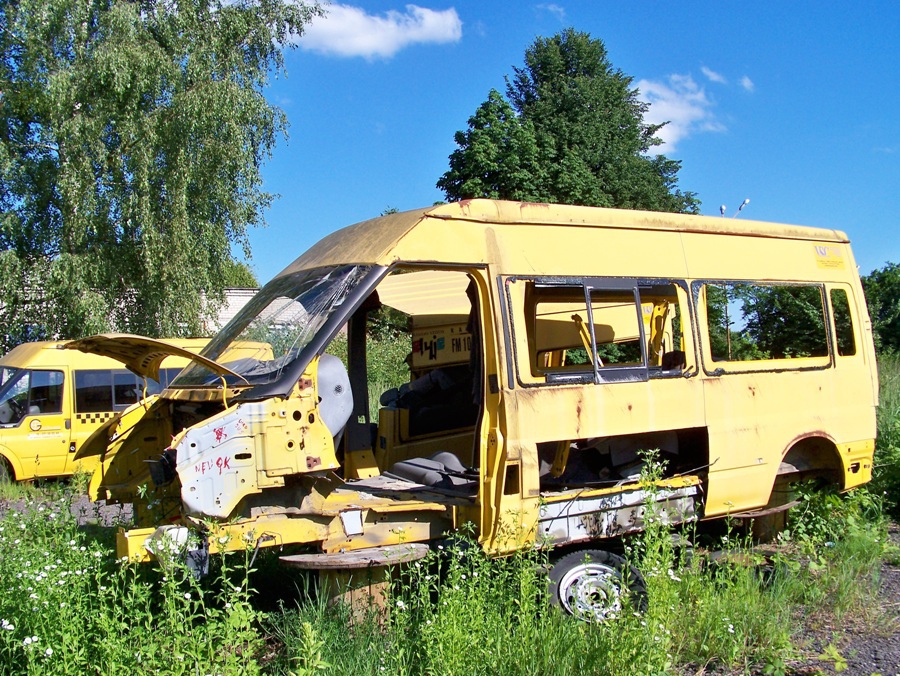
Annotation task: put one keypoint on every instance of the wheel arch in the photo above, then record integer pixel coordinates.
(13, 462)
(813, 455)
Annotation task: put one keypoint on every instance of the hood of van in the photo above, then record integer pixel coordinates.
(141, 355)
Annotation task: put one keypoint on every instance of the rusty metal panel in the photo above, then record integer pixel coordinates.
(612, 515)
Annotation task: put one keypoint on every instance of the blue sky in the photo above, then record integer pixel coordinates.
(794, 105)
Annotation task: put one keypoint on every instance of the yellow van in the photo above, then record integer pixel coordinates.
(53, 399)
(550, 347)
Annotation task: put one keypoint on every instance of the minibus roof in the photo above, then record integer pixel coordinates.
(457, 231)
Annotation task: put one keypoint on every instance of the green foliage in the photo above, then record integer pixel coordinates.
(309, 661)
(886, 475)
(69, 608)
(823, 512)
(833, 655)
(131, 139)
(570, 130)
(497, 157)
(386, 353)
(882, 289)
(239, 275)
(784, 321)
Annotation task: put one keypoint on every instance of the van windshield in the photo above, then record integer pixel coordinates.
(7, 373)
(13, 395)
(281, 319)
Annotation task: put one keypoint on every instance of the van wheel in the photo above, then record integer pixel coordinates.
(594, 585)
(6, 471)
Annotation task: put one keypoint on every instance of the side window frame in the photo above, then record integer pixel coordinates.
(519, 341)
(712, 367)
(849, 298)
(60, 385)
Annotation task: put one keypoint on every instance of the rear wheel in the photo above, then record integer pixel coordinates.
(595, 585)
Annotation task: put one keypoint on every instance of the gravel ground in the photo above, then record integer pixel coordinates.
(100, 513)
(870, 644)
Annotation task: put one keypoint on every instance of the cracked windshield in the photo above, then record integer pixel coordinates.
(279, 322)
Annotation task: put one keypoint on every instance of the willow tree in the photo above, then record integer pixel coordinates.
(131, 139)
(571, 129)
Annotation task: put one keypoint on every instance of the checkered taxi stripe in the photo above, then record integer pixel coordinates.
(101, 416)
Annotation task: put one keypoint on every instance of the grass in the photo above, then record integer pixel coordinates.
(69, 607)
(462, 613)
(886, 479)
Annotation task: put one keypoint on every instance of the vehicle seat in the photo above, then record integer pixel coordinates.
(335, 395)
(676, 359)
(442, 470)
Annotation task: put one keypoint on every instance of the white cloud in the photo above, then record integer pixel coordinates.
(349, 31)
(713, 76)
(555, 10)
(680, 102)
(747, 84)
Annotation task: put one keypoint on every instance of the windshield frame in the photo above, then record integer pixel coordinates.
(293, 370)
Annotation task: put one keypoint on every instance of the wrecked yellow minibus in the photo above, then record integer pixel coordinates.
(549, 347)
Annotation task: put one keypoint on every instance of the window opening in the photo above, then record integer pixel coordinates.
(104, 390)
(614, 460)
(26, 392)
(754, 322)
(843, 323)
(602, 331)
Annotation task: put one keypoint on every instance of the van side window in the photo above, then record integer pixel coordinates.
(103, 390)
(166, 376)
(126, 389)
(606, 330)
(755, 322)
(93, 391)
(27, 392)
(564, 339)
(46, 392)
(843, 323)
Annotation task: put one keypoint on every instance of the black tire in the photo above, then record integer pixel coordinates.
(595, 585)
(6, 471)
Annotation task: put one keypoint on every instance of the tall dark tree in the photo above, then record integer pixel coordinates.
(882, 289)
(571, 130)
(131, 138)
